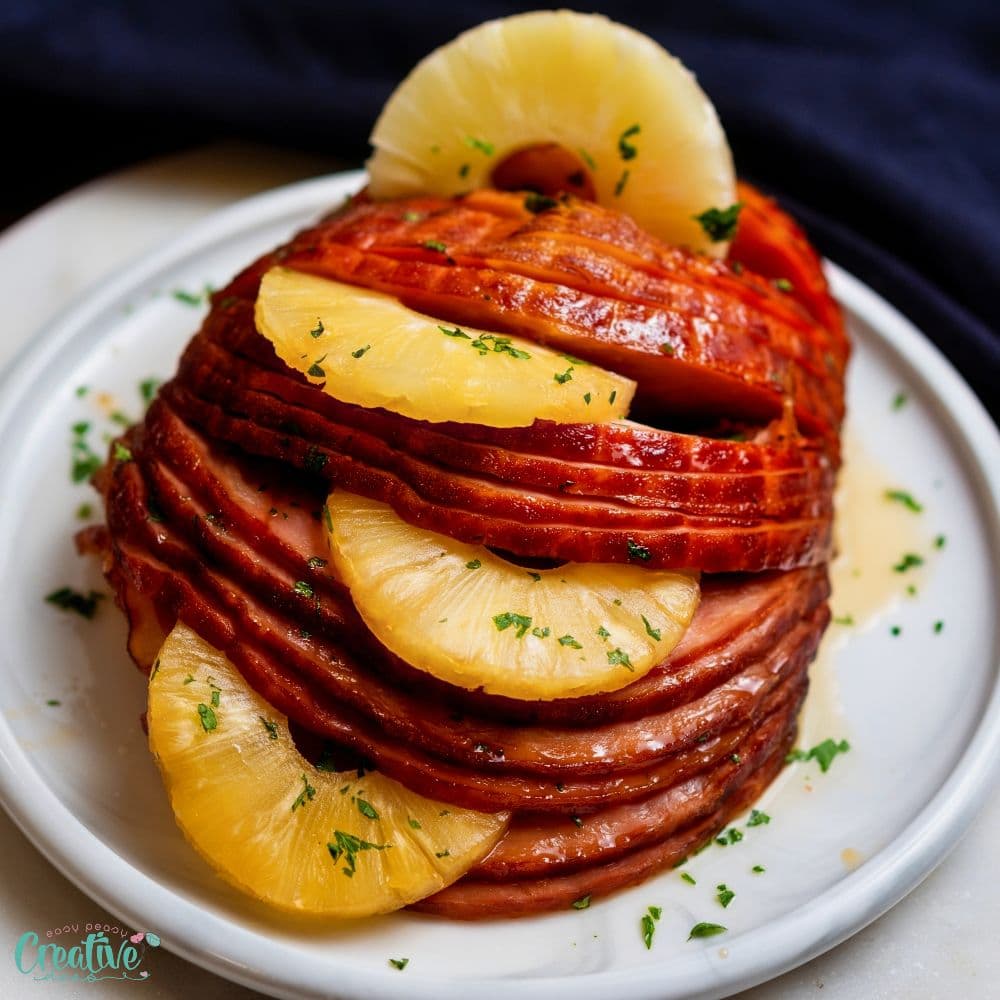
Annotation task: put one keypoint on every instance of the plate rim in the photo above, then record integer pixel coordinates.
(765, 952)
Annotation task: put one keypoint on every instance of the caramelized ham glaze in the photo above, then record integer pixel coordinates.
(217, 514)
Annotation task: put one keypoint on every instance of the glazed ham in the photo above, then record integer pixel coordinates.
(217, 515)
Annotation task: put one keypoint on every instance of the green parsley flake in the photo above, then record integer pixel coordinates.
(486, 343)
(535, 202)
(463, 170)
(454, 331)
(758, 869)
(621, 182)
(587, 158)
(474, 564)
(938, 627)
(689, 878)
(399, 963)
(668, 349)
(577, 821)
(436, 245)
(906, 499)
(653, 633)
(603, 632)
(147, 389)
(704, 930)
(724, 894)
(843, 619)
(53, 702)
(648, 926)
(535, 576)
(731, 836)
(506, 619)
(307, 794)
(783, 284)
(216, 694)
(637, 551)
(484, 147)
(586, 398)
(582, 903)
(823, 753)
(361, 351)
(720, 224)
(208, 719)
(568, 640)
(315, 562)
(896, 630)
(188, 298)
(84, 511)
(68, 599)
(758, 818)
(443, 854)
(303, 589)
(616, 658)
(626, 150)
(366, 809)
(347, 846)
(415, 824)
(908, 561)
(940, 541)
(318, 330)
(899, 400)
(271, 727)
(565, 376)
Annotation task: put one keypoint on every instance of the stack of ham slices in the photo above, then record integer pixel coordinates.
(218, 514)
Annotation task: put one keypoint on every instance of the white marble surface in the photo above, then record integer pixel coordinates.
(941, 940)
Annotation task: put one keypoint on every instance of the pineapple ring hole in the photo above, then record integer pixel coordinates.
(546, 168)
(325, 754)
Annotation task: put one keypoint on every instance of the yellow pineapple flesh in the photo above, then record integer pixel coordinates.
(298, 838)
(631, 112)
(473, 619)
(367, 348)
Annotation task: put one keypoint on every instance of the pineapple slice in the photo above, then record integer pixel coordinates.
(470, 618)
(631, 113)
(264, 818)
(371, 350)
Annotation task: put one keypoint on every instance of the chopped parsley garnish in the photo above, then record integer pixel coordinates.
(896, 630)
(577, 821)
(758, 818)
(568, 640)
(207, 716)
(582, 903)
(484, 147)
(411, 216)
(731, 836)
(53, 702)
(758, 869)
(637, 551)
(314, 460)
(908, 561)
(414, 823)
(443, 854)
(84, 511)
(216, 694)
(507, 619)
(537, 577)
(616, 658)
(361, 351)
(626, 150)
(366, 809)
(327, 518)
(188, 298)
(843, 619)
(535, 202)
(724, 894)
(906, 499)
(668, 350)
(938, 627)
(735, 758)
(613, 396)
(586, 398)
(147, 389)
(454, 331)
(307, 794)
(399, 963)
(271, 727)
(939, 542)
(318, 330)
(783, 284)
(474, 564)
(487, 342)
(653, 633)
(315, 562)
(603, 632)
(587, 158)
(720, 224)
(621, 182)
(689, 878)
(68, 599)
(463, 170)
(303, 588)
(189, 679)
(117, 417)
(85, 461)
(704, 930)
(823, 753)
(564, 377)
(648, 925)
(81, 391)
(436, 245)
(899, 401)
(347, 846)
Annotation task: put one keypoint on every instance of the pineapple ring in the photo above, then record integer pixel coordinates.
(276, 827)
(629, 109)
(371, 350)
(468, 617)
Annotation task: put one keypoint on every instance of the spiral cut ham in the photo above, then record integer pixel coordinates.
(215, 518)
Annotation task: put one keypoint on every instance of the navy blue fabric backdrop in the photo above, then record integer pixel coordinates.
(878, 123)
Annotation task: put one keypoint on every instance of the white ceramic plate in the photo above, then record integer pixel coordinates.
(921, 709)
